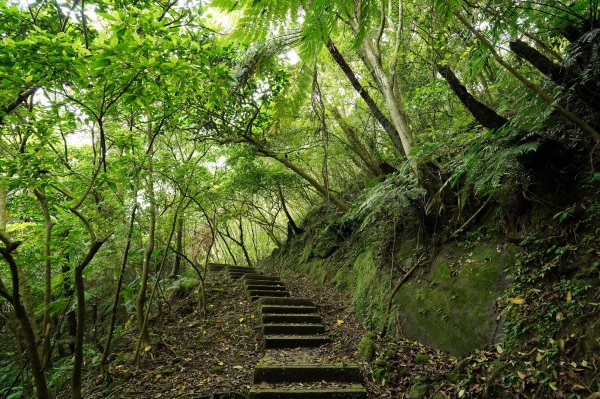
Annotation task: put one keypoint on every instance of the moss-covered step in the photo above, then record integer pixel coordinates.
(354, 391)
(266, 287)
(292, 318)
(284, 309)
(259, 294)
(287, 301)
(294, 341)
(300, 372)
(292, 329)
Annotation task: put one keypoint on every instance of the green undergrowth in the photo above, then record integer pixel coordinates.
(514, 296)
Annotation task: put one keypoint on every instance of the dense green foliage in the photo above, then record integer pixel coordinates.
(140, 141)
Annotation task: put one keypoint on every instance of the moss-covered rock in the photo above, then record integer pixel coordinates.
(367, 348)
(371, 288)
(452, 306)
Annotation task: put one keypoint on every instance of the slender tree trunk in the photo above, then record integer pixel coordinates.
(341, 205)
(27, 329)
(2, 205)
(243, 244)
(486, 116)
(115, 307)
(141, 296)
(46, 326)
(228, 248)
(295, 229)
(146, 316)
(81, 312)
(179, 244)
(355, 143)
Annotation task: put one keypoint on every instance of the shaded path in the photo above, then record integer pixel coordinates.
(292, 324)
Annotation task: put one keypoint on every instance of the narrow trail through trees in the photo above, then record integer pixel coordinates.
(292, 325)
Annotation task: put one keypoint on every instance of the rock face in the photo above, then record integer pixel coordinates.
(452, 306)
(449, 304)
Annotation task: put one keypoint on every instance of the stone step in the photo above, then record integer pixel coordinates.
(305, 372)
(223, 266)
(292, 329)
(259, 294)
(294, 341)
(282, 309)
(353, 391)
(236, 275)
(263, 287)
(291, 318)
(241, 269)
(260, 276)
(242, 272)
(259, 281)
(287, 301)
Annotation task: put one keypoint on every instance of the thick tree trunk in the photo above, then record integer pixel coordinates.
(486, 116)
(381, 118)
(588, 92)
(549, 99)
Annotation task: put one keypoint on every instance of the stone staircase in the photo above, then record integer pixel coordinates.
(292, 323)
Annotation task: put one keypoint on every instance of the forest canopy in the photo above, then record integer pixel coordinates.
(142, 140)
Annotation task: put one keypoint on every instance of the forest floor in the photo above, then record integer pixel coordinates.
(194, 357)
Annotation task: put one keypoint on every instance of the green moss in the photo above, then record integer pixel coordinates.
(370, 291)
(452, 306)
(367, 348)
(421, 358)
(418, 390)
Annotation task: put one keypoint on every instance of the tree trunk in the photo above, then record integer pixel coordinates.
(80, 296)
(291, 223)
(179, 245)
(341, 205)
(141, 296)
(574, 118)
(46, 327)
(27, 329)
(382, 119)
(395, 104)
(2, 205)
(115, 307)
(356, 145)
(233, 259)
(146, 316)
(486, 116)
(560, 75)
